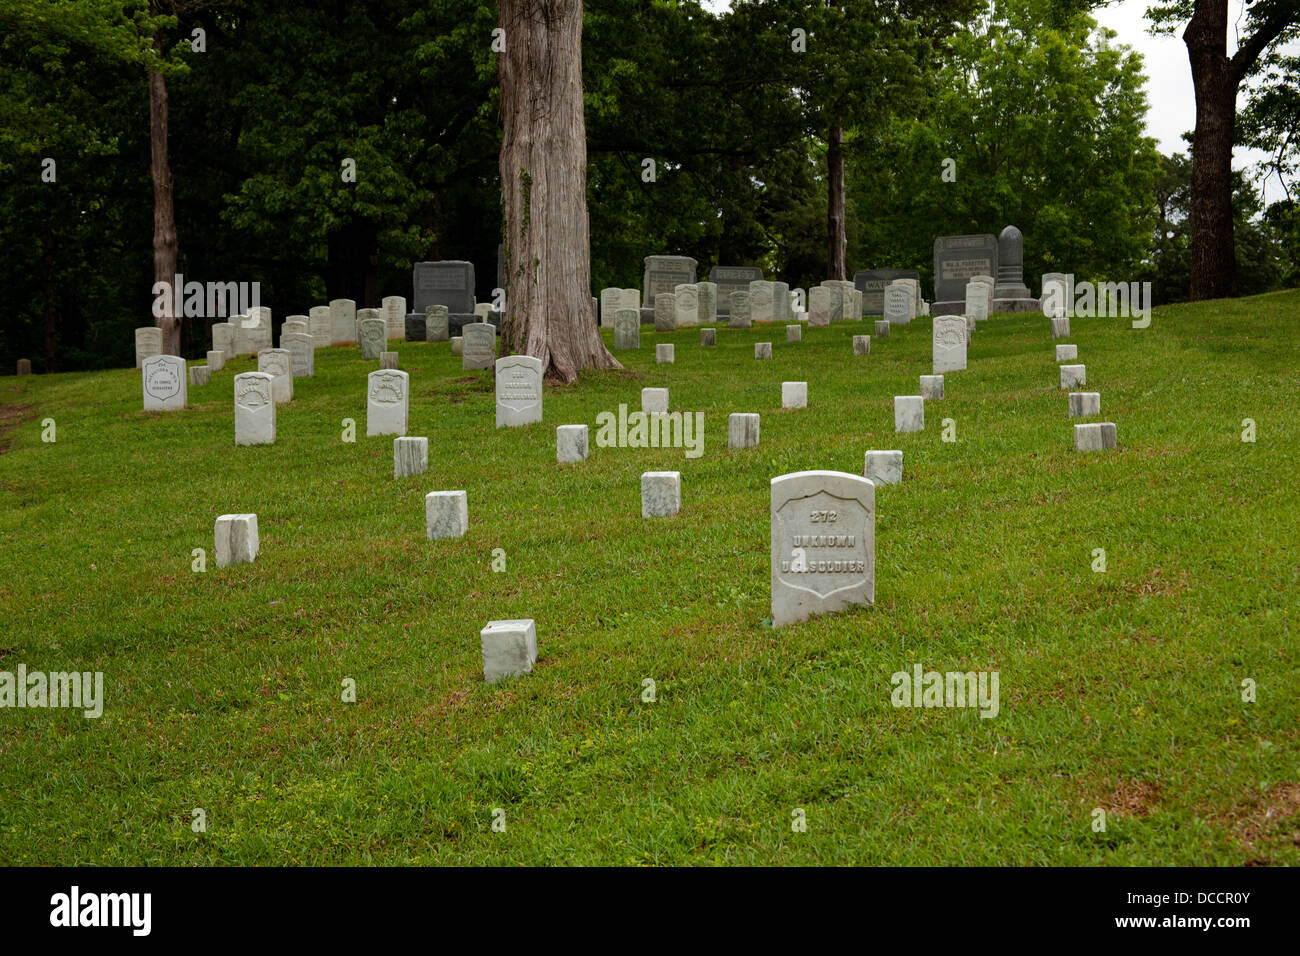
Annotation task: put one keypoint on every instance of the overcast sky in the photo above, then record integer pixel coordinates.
(1169, 78)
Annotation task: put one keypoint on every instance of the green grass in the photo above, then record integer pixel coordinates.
(1119, 690)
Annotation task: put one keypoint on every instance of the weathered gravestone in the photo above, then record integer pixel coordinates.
(948, 344)
(794, 394)
(834, 300)
(1097, 436)
(449, 283)
(664, 274)
(374, 336)
(909, 413)
(898, 305)
(882, 467)
(627, 329)
(872, 282)
(343, 321)
(665, 312)
(861, 345)
(410, 456)
(278, 363)
(761, 308)
(632, 300)
(1067, 353)
(509, 649)
(742, 430)
(661, 494)
(200, 375)
(570, 444)
(302, 353)
(162, 380)
(611, 300)
(977, 303)
(956, 259)
(319, 324)
(235, 539)
(457, 345)
(819, 306)
(708, 337)
(389, 360)
(1083, 404)
(148, 343)
(1073, 375)
(446, 514)
(519, 390)
(738, 311)
(794, 333)
(24, 366)
(731, 279)
(781, 302)
(686, 298)
(393, 309)
(223, 340)
(291, 324)
(708, 295)
(478, 346)
(665, 353)
(932, 387)
(1057, 294)
(387, 397)
(823, 544)
(762, 350)
(437, 323)
(254, 409)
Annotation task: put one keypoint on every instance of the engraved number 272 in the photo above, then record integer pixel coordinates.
(823, 516)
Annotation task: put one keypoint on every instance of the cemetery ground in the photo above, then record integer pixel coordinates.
(1119, 690)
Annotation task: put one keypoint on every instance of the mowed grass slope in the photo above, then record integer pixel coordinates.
(1119, 690)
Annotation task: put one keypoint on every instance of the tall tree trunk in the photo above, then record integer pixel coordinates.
(836, 237)
(164, 208)
(1213, 257)
(548, 312)
(51, 313)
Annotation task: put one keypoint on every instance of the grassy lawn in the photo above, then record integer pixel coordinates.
(1118, 690)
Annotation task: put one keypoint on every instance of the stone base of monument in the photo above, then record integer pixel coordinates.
(1016, 305)
(953, 307)
(458, 320)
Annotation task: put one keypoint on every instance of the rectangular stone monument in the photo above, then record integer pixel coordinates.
(835, 299)
(761, 308)
(823, 544)
(343, 321)
(738, 316)
(148, 343)
(321, 325)
(374, 336)
(457, 345)
(570, 444)
(387, 398)
(519, 390)
(216, 360)
(509, 649)
(278, 363)
(871, 283)
(1061, 328)
(664, 274)
(780, 301)
(437, 323)
(731, 279)
(235, 540)
(162, 381)
(1083, 404)
(393, 310)
(389, 360)
(881, 329)
(898, 305)
(302, 353)
(819, 306)
(631, 300)
(883, 467)
(861, 345)
(661, 494)
(742, 430)
(1095, 436)
(449, 283)
(478, 346)
(794, 333)
(686, 298)
(1067, 353)
(291, 325)
(200, 375)
(665, 312)
(627, 329)
(932, 387)
(446, 514)
(254, 409)
(708, 337)
(794, 394)
(654, 400)
(977, 302)
(708, 296)
(223, 340)
(611, 300)
(665, 354)
(410, 456)
(909, 413)
(1057, 294)
(1072, 376)
(762, 350)
(956, 259)
(948, 344)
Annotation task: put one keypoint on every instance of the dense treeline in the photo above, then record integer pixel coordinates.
(943, 117)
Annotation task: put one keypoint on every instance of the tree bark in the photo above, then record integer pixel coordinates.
(1212, 252)
(836, 237)
(51, 312)
(548, 311)
(164, 210)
